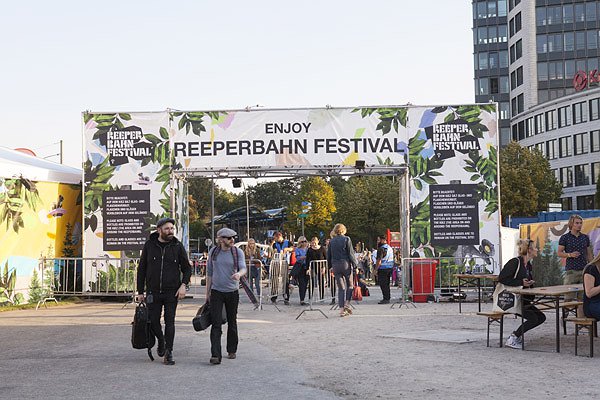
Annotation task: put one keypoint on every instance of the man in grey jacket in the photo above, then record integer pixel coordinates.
(225, 266)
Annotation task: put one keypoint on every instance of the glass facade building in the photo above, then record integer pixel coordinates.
(553, 97)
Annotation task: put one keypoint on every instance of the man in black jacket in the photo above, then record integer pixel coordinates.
(163, 274)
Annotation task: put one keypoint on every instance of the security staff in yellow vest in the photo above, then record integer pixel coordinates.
(384, 268)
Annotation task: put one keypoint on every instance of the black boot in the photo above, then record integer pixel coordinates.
(160, 350)
(168, 360)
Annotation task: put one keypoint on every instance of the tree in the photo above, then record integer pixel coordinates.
(36, 292)
(547, 269)
(527, 183)
(268, 195)
(320, 194)
(368, 206)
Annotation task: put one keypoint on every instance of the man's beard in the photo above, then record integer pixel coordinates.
(167, 237)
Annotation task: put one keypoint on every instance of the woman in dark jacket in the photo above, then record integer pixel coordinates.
(591, 289)
(518, 272)
(316, 252)
(340, 256)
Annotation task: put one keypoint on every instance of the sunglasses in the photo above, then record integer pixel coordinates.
(227, 237)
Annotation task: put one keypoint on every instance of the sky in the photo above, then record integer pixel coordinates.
(59, 58)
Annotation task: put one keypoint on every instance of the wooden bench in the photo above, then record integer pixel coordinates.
(585, 323)
(569, 307)
(494, 317)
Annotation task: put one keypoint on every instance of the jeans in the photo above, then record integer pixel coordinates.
(217, 300)
(168, 300)
(343, 280)
(255, 276)
(532, 316)
(592, 310)
(303, 280)
(383, 277)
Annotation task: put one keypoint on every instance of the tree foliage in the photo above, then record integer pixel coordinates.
(268, 195)
(322, 198)
(527, 183)
(368, 206)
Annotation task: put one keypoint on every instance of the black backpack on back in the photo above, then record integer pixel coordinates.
(142, 336)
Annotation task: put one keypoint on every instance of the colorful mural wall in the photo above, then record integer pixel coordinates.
(37, 219)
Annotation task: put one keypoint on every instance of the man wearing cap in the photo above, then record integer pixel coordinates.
(163, 273)
(225, 266)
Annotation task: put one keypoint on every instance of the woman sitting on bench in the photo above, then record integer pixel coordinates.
(591, 289)
(511, 277)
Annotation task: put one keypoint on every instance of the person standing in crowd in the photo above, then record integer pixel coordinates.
(253, 260)
(518, 271)
(591, 289)
(163, 274)
(281, 248)
(316, 252)
(225, 267)
(340, 255)
(576, 248)
(384, 268)
(303, 279)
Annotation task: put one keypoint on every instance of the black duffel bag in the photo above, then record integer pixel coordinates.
(142, 336)
(202, 319)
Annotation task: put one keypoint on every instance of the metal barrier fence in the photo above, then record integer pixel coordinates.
(279, 279)
(426, 279)
(321, 286)
(89, 276)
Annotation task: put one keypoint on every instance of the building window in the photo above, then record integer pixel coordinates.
(529, 130)
(585, 202)
(567, 203)
(566, 149)
(541, 44)
(515, 24)
(564, 116)
(553, 15)
(483, 86)
(569, 41)
(494, 86)
(555, 70)
(580, 40)
(516, 51)
(579, 13)
(566, 176)
(481, 10)
(579, 113)
(581, 143)
(595, 141)
(483, 60)
(491, 6)
(502, 33)
(540, 16)
(568, 14)
(516, 78)
(592, 40)
(502, 8)
(590, 13)
(504, 84)
(492, 34)
(551, 120)
(493, 60)
(482, 35)
(542, 71)
(503, 56)
(582, 175)
(504, 110)
(513, 3)
(595, 173)
(552, 149)
(541, 147)
(539, 124)
(569, 69)
(594, 109)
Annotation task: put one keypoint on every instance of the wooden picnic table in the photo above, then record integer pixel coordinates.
(548, 297)
(473, 279)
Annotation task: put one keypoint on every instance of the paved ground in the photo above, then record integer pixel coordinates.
(427, 352)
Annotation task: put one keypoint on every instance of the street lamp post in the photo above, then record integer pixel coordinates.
(237, 182)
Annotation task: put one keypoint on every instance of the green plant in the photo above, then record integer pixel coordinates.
(17, 193)
(7, 287)
(36, 292)
(114, 280)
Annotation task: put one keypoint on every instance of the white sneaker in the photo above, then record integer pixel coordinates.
(514, 342)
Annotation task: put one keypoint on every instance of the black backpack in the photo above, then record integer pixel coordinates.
(142, 336)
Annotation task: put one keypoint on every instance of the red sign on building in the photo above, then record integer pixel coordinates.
(583, 80)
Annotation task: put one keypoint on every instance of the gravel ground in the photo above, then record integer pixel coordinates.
(428, 352)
